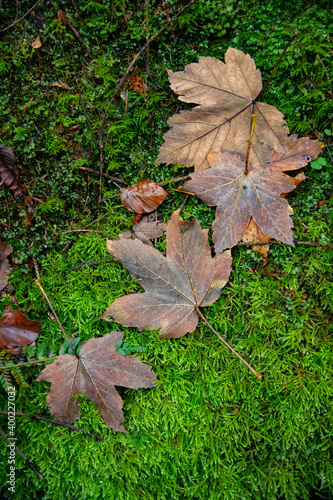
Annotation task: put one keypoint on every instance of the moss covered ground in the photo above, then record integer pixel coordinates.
(210, 430)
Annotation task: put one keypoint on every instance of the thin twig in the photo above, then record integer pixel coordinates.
(55, 422)
(226, 343)
(326, 73)
(119, 87)
(87, 120)
(56, 317)
(92, 263)
(82, 231)
(107, 176)
(253, 123)
(27, 363)
(21, 18)
(183, 204)
(277, 64)
(31, 465)
(175, 179)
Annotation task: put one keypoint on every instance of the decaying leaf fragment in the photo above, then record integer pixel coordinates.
(17, 330)
(95, 373)
(299, 152)
(145, 231)
(9, 175)
(5, 250)
(227, 97)
(240, 195)
(175, 285)
(142, 197)
(36, 44)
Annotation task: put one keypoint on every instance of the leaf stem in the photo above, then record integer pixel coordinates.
(277, 64)
(226, 343)
(56, 317)
(27, 363)
(31, 465)
(253, 122)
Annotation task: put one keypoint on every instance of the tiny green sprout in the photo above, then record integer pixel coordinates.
(319, 163)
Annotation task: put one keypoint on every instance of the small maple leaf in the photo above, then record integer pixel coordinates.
(94, 373)
(17, 330)
(240, 195)
(175, 286)
(227, 96)
(143, 197)
(5, 250)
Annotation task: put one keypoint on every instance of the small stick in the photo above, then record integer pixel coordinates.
(326, 73)
(55, 422)
(107, 176)
(175, 179)
(51, 307)
(31, 465)
(87, 120)
(226, 343)
(27, 363)
(183, 204)
(253, 123)
(21, 18)
(277, 64)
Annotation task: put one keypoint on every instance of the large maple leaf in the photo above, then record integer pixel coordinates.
(227, 95)
(94, 373)
(240, 195)
(176, 286)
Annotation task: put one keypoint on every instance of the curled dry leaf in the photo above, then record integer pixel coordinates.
(176, 286)
(94, 373)
(240, 195)
(142, 197)
(60, 85)
(145, 231)
(9, 175)
(17, 330)
(5, 250)
(227, 97)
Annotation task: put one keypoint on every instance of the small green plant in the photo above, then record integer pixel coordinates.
(126, 348)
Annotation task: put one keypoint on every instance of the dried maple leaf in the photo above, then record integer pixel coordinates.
(9, 175)
(145, 231)
(5, 250)
(142, 197)
(94, 373)
(17, 330)
(227, 95)
(240, 195)
(175, 286)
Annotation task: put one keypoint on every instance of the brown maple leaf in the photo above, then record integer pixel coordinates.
(17, 330)
(94, 373)
(145, 231)
(227, 95)
(142, 197)
(175, 286)
(5, 250)
(240, 195)
(9, 175)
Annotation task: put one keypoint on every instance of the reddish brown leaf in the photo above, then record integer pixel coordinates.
(145, 231)
(136, 83)
(299, 153)
(17, 330)
(240, 196)
(9, 175)
(99, 368)
(5, 250)
(226, 94)
(142, 197)
(175, 285)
